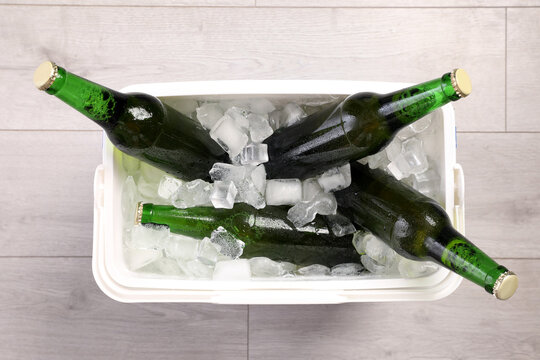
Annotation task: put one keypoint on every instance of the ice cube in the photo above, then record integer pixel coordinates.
(129, 201)
(138, 258)
(235, 160)
(347, 269)
(130, 164)
(283, 191)
(208, 114)
(239, 103)
(412, 269)
(259, 128)
(310, 188)
(181, 247)
(340, 225)
(378, 160)
(148, 237)
(370, 245)
(182, 104)
(226, 243)
(427, 183)
(396, 170)
(168, 186)
(239, 114)
(193, 193)
(250, 194)
(224, 194)
(236, 270)
(406, 133)
(364, 160)
(346, 171)
(372, 266)
(304, 212)
(254, 154)
(291, 114)
(288, 268)
(261, 106)
(413, 153)
(275, 119)
(258, 177)
(164, 266)
(380, 252)
(412, 160)
(146, 188)
(198, 269)
(421, 124)
(151, 173)
(394, 149)
(264, 267)
(314, 270)
(325, 204)
(229, 135)
(335, 179)
(228, 172)
(208, 252)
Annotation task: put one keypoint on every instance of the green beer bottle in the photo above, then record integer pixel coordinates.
(138, 124)
(266, 232)
(359, 126)
(418, 228)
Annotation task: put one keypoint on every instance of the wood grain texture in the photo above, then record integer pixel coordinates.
(502, 196)
(52, 309)
(469, 324)
(286, 3)
(161, 3)
(47, 182)
(523, 64)
(398, 3)
(119, 46)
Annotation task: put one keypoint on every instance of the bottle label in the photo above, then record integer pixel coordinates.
(460, 256)
(414, 103)
(98, 103)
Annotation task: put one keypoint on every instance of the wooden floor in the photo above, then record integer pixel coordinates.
(50, 306)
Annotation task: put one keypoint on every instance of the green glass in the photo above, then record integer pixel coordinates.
(359, 126)
(414, 225)
(265, 232)
(142, 126)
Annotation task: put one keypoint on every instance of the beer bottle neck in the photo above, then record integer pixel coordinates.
(410, 104)
(196, 222)
(97, 102)
(458, 254)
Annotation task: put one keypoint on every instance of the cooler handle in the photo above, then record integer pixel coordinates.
(459, 198)
(99, 187)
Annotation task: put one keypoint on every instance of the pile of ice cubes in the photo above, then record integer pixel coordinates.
(240, 127)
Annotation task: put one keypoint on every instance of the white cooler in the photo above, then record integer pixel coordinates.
(118, 282)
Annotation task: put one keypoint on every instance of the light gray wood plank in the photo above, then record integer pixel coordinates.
(122, 46)
(47, 184)
(286, 3)
(469, 324)
(502, 196)
(397, 3)
(161, 3)
(52, 309)
(523, 74)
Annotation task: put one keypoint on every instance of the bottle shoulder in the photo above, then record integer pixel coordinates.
(137, 121)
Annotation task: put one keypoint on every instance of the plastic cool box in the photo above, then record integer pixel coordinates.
(118, 282)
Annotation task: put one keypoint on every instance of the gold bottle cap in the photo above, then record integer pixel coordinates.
(138, 213)
(45, 75)
(505, 286)
(461, 82)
